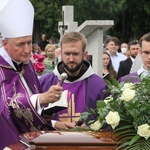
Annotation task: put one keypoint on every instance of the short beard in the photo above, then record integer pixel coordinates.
(133, 56)
(72, 70)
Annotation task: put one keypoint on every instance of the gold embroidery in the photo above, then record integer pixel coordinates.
(4, 66)
(21, 112)
(71, 116)
(14, 100)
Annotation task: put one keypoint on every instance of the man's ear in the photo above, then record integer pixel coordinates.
(5, 44)
(140, 51)
(85, 54)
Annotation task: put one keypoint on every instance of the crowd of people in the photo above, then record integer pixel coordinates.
(48, 51)
(121, 59)
(119, 63)
(24, 96)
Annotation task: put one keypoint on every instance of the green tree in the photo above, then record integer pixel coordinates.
(131, 18)
(47, 16)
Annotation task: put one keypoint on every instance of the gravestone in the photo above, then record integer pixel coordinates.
(93, 31)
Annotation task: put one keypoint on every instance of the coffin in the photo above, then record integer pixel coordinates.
(65, 140)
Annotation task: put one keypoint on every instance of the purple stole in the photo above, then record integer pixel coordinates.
(76, 103)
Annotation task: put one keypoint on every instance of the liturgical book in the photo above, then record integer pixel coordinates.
(61, 104)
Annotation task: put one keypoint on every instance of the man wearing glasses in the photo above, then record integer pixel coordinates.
(145, 55)
(85, 86)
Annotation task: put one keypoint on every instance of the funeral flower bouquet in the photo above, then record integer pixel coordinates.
(127, 112)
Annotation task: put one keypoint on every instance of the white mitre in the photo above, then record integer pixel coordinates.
(16, 18)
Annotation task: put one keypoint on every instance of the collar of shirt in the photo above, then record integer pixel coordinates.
(143, 71)
(18, 65)
(110, 54)
(132, 59)
(6, 57)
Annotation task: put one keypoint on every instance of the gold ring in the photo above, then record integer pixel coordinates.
(57, 96)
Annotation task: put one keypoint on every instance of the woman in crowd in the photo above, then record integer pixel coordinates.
(50, 60)
(108, 69)
(36, 49)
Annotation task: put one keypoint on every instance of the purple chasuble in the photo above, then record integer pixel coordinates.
(132, 77)
(9, 132)
(15, 99)
(85, 94)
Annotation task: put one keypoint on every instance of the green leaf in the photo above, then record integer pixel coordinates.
(122, 145)
(100, 104)
(134, 139)
(114, 82)
(124, 127)
(108, 84)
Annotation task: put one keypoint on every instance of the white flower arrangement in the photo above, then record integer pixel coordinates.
(126, 111)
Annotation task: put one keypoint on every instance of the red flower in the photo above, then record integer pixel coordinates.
(38, 57)
(38, 63)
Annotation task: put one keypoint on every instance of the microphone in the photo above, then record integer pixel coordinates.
(64, 76)
(79, 122)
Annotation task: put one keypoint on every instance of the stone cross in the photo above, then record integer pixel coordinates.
(67, 23)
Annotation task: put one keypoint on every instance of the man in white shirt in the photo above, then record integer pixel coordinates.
(112, 46)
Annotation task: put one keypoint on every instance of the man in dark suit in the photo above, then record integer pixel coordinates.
(125, 66)
(42, 44)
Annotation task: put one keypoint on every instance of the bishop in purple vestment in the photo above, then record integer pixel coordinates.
(21, 100)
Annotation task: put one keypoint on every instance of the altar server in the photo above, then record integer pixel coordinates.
(85, 86)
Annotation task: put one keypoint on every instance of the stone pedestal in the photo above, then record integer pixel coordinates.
(93, 31)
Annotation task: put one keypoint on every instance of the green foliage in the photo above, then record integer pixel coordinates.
(47, 16)
(131, 18)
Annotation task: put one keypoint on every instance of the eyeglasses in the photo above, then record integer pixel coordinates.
(134, 48)
(145, 53)
(75, 54)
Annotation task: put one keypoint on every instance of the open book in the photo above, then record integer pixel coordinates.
(61, 104)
